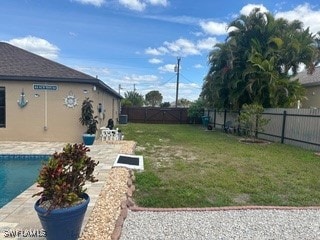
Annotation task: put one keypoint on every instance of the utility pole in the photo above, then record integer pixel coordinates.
(120, 88)
(177, 69)
(134, 87)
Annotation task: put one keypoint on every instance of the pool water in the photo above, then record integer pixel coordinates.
(17, 173)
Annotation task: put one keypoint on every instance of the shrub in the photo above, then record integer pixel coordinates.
(251, 120)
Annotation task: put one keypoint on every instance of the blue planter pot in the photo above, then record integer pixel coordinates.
(88, 139)
(63, 223)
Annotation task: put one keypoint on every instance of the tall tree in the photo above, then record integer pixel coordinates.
(153, 98)
(257, 61)
(317, 44)
(165, 105)
(183, 102)
(132, 98)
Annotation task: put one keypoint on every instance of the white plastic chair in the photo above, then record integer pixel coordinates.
(105, 134)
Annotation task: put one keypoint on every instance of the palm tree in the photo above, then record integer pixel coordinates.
(256, 62)
(132, 98)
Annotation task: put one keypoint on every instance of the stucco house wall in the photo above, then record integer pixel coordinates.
(46, 116)
(311, 82)
(312, 97)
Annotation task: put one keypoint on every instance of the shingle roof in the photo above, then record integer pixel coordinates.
(21, 65)
(309, 79)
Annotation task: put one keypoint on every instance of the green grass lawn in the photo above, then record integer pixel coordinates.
(186, 166)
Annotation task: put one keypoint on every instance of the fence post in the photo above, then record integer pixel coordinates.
(224, 118)
(214, 118)
(256, 127)
(238, 119)
(283, 126)
(145, 114)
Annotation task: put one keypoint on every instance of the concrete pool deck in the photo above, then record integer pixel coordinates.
(19, 214)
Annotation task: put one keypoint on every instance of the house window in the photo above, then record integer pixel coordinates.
(2, 107)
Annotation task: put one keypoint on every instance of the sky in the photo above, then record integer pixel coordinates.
(135, 44)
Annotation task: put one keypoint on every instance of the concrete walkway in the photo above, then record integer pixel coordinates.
(19, 214)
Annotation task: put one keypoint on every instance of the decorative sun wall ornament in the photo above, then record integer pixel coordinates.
(70, 101)
(22, 102)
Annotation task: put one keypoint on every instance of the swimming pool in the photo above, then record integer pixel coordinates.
(17, 173)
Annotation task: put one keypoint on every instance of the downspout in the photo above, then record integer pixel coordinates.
(45, 128)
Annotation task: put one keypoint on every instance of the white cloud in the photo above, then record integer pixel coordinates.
(246, 10)
(156, 51)
(207, 44)
(97, 3)
(36, 45)
(135, 5)
(167, 68)
(198, 34)
(198, 66)
(141, 5)
(182, 47)
(188, 91)
(100, 72)
(174, 19)
(140, 79)
(73, 34)
(155, 61)
(213, 28)
(159, 2)
(305, 14)
(152, 51)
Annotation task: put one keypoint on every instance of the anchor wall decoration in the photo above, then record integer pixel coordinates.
(22, 102)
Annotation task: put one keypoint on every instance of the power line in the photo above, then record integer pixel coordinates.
(167, 81)
(190, 81)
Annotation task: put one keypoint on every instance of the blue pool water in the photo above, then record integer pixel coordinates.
(17, 173)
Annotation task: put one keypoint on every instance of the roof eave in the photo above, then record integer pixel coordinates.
(92, 80)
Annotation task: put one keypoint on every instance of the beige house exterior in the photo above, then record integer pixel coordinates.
(40, 100)
(311, 82)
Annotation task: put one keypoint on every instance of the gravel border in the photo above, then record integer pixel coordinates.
(108, 214)
(233, 224)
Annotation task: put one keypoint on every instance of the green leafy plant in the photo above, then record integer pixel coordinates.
(251, 120)
(64, 175)
(87, 116)
(196, 110)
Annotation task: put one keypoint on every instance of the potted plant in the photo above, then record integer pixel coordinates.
(63, 201)
(89, 120)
